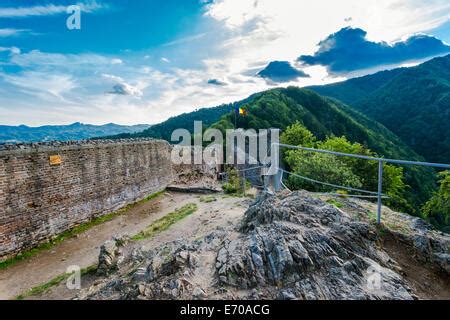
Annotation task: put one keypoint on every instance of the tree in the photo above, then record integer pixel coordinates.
(297, 135)
(437, 209)
(340, 170)
(367, 171)
(321, 167)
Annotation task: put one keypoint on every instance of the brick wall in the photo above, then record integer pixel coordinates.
(39, 200)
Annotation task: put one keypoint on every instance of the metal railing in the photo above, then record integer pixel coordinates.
(370, 194)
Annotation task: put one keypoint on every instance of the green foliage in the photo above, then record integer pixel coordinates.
(208, 199)
(297, 135)
(165, 222)
(229, 188)
(344, 171)
(367, 171)
(234, 185)
(42, 288)
(322, 167)
(437, 209)
(335, 203)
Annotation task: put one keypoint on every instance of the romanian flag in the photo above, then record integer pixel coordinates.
(242, 112)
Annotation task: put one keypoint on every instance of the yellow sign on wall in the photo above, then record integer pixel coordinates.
(55, 160)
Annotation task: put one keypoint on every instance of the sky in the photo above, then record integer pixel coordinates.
(142, 61)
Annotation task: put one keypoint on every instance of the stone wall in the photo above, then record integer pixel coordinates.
(46, 189)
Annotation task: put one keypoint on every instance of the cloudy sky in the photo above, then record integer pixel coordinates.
(144, 61)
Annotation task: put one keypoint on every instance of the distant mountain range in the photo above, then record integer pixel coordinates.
(75, 131)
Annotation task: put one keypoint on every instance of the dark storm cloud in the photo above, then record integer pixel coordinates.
(349, 50)
(281, 71)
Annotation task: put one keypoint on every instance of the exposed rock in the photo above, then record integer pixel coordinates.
(110, 254)
(288, 246)
(309, 248)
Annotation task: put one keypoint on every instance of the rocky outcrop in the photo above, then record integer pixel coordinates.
(288, 246)
(110, 255)
(309, 250)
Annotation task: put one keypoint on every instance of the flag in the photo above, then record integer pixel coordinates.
(242, 112)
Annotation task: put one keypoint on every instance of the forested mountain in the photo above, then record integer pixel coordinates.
(279, 108)
(355, 90)
(74, 131)
(414, 103)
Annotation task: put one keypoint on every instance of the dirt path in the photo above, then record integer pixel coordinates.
(83, 250)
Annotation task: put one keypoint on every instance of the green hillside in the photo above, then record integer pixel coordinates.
(414, 103)
(279, 108)
(355, 90)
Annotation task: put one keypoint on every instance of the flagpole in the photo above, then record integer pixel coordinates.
(235, 118)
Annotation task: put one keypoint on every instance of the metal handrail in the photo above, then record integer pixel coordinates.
(350, 195)
(387, 160)
(329, 184)
(249, 169)
(379, 194)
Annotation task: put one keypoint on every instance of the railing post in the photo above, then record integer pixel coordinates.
(277, 181)
(243, 181)
(380, 189)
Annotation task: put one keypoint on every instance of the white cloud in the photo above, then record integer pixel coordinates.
(297, 26)
(39, 59)
(12, 50)
(54, 87)
(116, 61)
(386, 20)
(185, 40)
(125, 89)
(121, 87)
(46, 10)
(8, 32)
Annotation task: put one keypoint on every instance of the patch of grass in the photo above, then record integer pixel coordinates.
(207, 199)
(372, 215)
(74, 231)
(335, 203)
(382, 230)
(165, 222)
(42, 288)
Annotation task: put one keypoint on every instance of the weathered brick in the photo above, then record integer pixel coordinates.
(39, 201)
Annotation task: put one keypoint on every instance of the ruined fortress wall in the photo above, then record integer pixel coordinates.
(46, 189)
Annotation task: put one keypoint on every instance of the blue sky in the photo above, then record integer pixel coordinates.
(144, 61)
